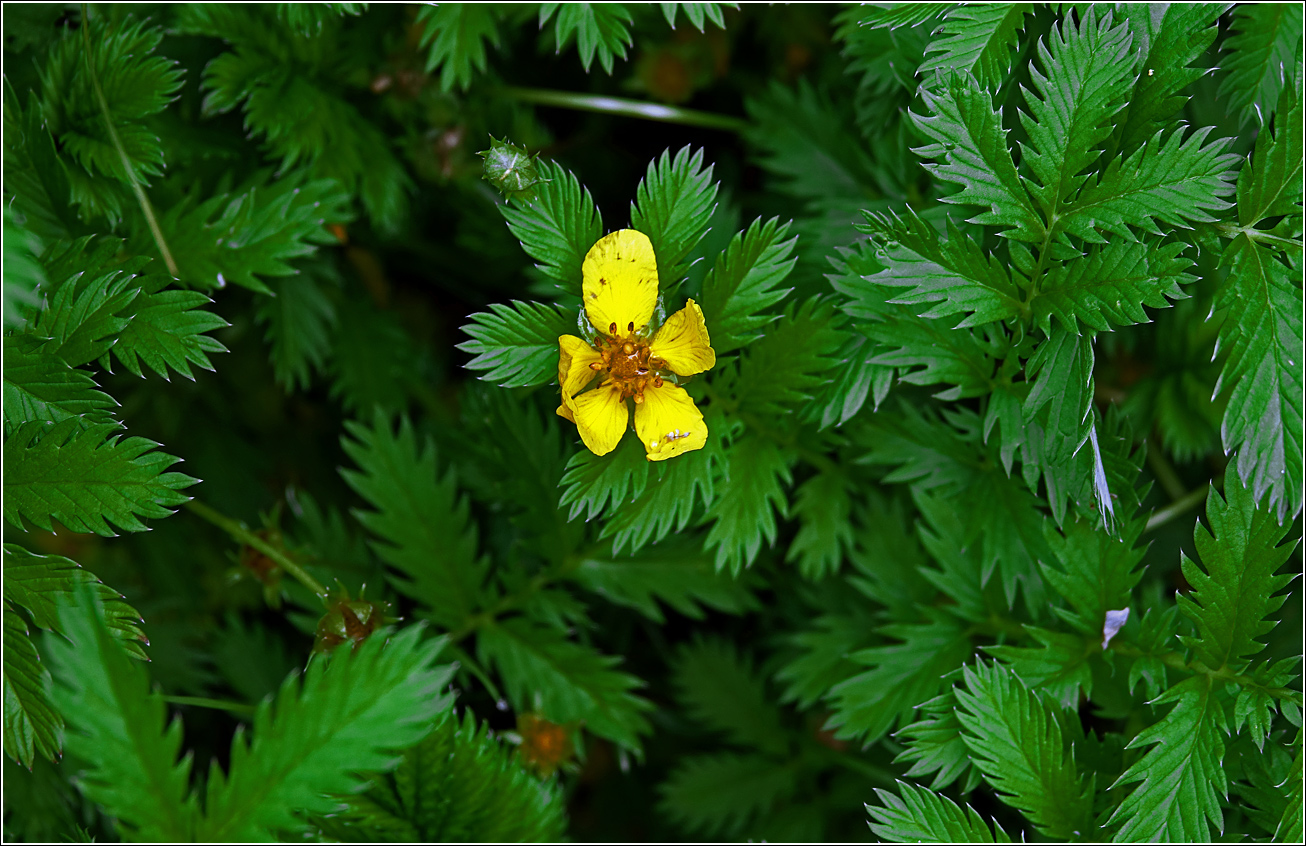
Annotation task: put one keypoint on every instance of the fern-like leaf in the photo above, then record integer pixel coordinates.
(558, 227)
(823, 506)
(979, 40)
(744, 513)
(698, 13)
(599, 28)
(1111, 285)
(719, 795)
(454, 36)
(1272, 184)
(346, 718)
(39, 386)
(423, 527)
(923, 816)
(517, 344)
(721, 690)
(87, 478)
(32, 724)
(1265, 40)
(672, 206)
(743, 284)
(299, 321)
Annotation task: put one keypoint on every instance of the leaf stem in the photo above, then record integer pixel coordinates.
(1165, 474)
(1189, 500)
(143, 200)
(1229, 230)
(238, 531)
(626, 108)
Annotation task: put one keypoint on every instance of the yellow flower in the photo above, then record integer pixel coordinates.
(625, 363)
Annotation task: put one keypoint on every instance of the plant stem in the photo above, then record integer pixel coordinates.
(625, 107)
(144, 201)
(203, 702)
(1189, 500)
(245, 536)
(1165, 474)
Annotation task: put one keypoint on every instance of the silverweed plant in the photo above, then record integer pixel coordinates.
(681, 421)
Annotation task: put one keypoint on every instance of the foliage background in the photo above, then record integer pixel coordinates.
(885, 579)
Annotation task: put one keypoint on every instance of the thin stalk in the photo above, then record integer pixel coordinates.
(203, 702)
(1165, 474)
(1184, 503)
(245, 536)
(144, 201)
(626, 108)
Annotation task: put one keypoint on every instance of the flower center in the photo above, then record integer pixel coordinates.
(630, 364)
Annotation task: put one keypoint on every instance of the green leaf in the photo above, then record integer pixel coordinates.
(744, 513)
(299, 321)
(1084, 83)
(857, 377)
(1111, 285)
(1233, 592)
(953, 274)
(373, 358)
(136, 84)
(822, 660)
(1058, 665)
(422, 526)
(36, 181)
(970, 149)
(23, 274)
(978, 39)
(39, 386)
(454, 36)
(167, 330)
(44, 583)
(597, 27)
(460, 784)
(1093, 571)
(245, 237)
(899, 14)
(310, 19)
(85, 313)
(823, 506)
(564, 680)
(721, 795)
(1017, 743)
(1182, 779)
(676, 573)
(117, 729)
(1172, 181)
(790, 363)
(557, 227)
(592, 481)
(672, 206)
(869, 705)
(742, 284)
(517, 344)
(1262, 375)
(922, 816)
(1257, 56)
(1289, 829)
(937, 745)
(932, 352)
(87, 479)
(1062, 368)
(1169, 39)
(1272, 184)
(721, 690)
(318, 737)
(697, 13)
(32, 725)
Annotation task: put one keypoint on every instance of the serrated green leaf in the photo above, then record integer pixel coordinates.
(970, 149)
(167, 331)
(422, 525)
(672, 206)
(1083, 84)
(790, 363)
(1093, 571)
(823, 661)
(720, 689)
(1262, 375)
(454, 36)
(517, 344)
(1289, 829)
(744, 511)
(979, 40)
(85, 313)
(23, 274)
(459, 784)
(383, 696)
(32, 725)
(1058, 665)
(242, 238)
(564, 680)
(1111, 285)
(823, 508)
(902, 675)
(597, 27)
(117, 728)
(697, 13)
(856, 378)
(1062, 368)
(1182, 780)
(36, 183)
(1233, 592)
(373, 357)
(299, 321)
(953, 274)
(557, 227)
(1170, 181)
(742, 284)
(1256, 57)
(592, 481)
(936, 745)
(87, 479)
(39, 386)
(44, 583)
(922, 816)
(1017, 744)
(676, 573)
(721, 794)
(1272, 184)
(310, 18)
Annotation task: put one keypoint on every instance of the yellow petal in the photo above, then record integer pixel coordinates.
(682, 342)
(669, 423)
(621, 282)
(574, 371)
(601, 416)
